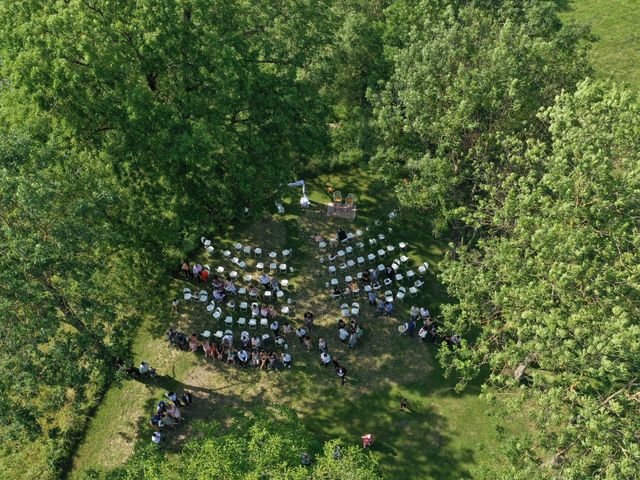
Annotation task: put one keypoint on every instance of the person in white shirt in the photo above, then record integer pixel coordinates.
(286, 359)
(301, 332)
(424, 313)
(415, 311)
(343, 334)
(155, 438)
(274, 327)
(243, 356)
(325, 359)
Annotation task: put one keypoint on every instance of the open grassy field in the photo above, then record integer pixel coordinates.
(616, 53)
(449, 435)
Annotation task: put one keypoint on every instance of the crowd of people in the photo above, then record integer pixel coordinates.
(168, 413)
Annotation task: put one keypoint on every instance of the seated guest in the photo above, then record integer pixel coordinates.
(332, 256)
(230, 287)
(287, 328)
(423, 333)
(231, 355)
(388, 308)
(273, 361)
(414, 312)
(317, 237)
(206, 346)
(341, 323)
(253, 291)
(204, 275)
(372, 297)
(424, 313)
(301, 332)
(215, 352)
(272, 311)
(193, 342)
(219, 295)
(342, 235)
(255, 309)
(336, 291)
(275, 326)
(366, 276)
(255, 358)
(264, 279)
(391, 273)
(217, 283)
(264, 310)
(264, 360)
(373, 273)
(286, 359)
(274, 284)
(243, 356)
(227, 340)
(255, 342)
(322, 345)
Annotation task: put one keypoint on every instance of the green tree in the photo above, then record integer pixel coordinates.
(264, 444)
(550, 298)
(464, 74)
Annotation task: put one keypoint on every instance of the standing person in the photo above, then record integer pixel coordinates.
(342, 374)
(343, 334)
(286, 359)
(308, 320)
(367, 440)
(301, 333)
(415, 311)
(379, 306)
(353, 339)
(204, 275)
(404, 405)
(322, 345)
(187, 398)
(174, 305)
(307, 343)
(411, 327)
(325, 359)
(155, 438)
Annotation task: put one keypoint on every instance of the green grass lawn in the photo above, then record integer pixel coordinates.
(616, 53)
(448, 436)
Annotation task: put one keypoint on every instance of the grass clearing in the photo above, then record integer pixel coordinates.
(616, 53)
(448, 436)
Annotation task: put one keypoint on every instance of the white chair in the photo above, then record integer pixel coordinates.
(359, 233)
(219, 334)
(228, 332)
(238, 247)
(246, 250)
(247, 278)
(253, 323)
(286, 254)
(345, 309)
(371, 257)
(284, 284)
(260, 266)
(355, 309)
(235, 260)
(217, 314)
(209, 249)
(348, 250)
(341, 255)
(279, 295)
(231, 304)
(410, 275)
(264, 322)
(283, 268)
(242, 292)
(203, 239)
(360, 261)
(228, 321)
(401, 293)
(242, 264)
(343, 267)
(388, 295)
(233, 274)
(381, 254)
(422, 270)
(322, 246)
(395, 265)
(285, 310)
(348, 279)
(359, 275)
(381, 237)
(220, 269)
(253, 295)
(203, 296)
(381, 268)
(334, 282)
(257, 252)
(367, 288)
(210, 307)
(360, 246)
(267, 296)
(404, 258)
(387, 282)
(226, 253)
(373, 242)
(413, 291)
(402, 245)
(350, 264)
(273, 267)
(418, 283)
(390, 248)
(399, 278)
(186, 292)
(273, 255)
(242, 322)
(244, 306)
(206, 334)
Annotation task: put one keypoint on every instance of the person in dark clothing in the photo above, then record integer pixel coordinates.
(187, 398)
(411, 327)
(342, 374)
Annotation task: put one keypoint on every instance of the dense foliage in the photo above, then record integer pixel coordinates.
(265, 444)
(464, 74)
(554, 286)
(129, 128)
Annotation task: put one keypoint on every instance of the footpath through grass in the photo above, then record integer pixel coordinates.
(616, 53)
(448, 435)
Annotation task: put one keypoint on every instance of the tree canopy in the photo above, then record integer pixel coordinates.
(554, 285)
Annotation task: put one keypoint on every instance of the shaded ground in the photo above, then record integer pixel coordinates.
(446, 436)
